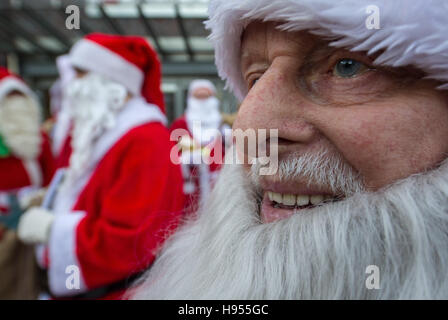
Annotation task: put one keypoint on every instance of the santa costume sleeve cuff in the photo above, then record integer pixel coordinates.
(64, 273)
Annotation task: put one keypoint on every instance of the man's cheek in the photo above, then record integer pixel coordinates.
(367, 147)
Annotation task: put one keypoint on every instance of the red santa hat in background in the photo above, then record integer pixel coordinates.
(128, 60)
(411, 32)
(10, 82)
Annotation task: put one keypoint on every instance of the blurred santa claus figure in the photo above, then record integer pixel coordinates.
(200, 141)
(121, 195)
(26, 165)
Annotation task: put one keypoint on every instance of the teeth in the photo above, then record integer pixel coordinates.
(289, 200)
(297, 200)
(277, 197)
(316, 199)
(302, 200)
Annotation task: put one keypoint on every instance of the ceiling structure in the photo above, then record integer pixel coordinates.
(35, 31)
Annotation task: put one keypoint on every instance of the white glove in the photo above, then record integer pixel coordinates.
(34, 226)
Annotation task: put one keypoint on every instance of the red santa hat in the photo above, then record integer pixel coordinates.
(410, 32)
(10, 82)
(128, 60)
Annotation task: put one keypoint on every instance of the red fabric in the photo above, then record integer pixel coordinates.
(46, 161)
(180, 123)
(132, 200)
(192, 199)
(4, 73)
(13, 174)
(63, 158)
(137, 51)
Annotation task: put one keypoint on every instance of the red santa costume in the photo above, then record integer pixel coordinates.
(29, 164)
(200, 137)
(121, 194)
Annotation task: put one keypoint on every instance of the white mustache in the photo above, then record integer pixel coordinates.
(319, 168)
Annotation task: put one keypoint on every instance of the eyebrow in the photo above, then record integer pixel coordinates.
(318, 51)
(249, 57)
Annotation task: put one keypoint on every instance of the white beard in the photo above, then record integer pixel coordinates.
(321, 253)
(203, 118)
(20, 126)
(94, 102)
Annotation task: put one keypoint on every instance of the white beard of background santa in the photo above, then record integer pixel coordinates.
(95, 103)
(19, 126)
(326, 251)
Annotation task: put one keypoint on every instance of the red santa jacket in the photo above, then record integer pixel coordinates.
(110, 225)
(62, 159)
(16, 174)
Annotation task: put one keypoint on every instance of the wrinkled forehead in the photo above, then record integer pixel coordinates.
(259, 39)
(271, 31)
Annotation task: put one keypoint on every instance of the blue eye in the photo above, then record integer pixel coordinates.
(348, 68)
(253, 82)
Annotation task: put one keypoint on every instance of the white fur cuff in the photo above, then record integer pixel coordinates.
(34, 226)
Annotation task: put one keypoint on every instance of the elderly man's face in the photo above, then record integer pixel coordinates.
(202, 93)
(386, 123)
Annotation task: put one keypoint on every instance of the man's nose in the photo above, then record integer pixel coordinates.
(276, 102)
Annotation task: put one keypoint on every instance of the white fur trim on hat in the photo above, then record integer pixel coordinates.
(411, 32)
(90, 56)
(10, 84)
